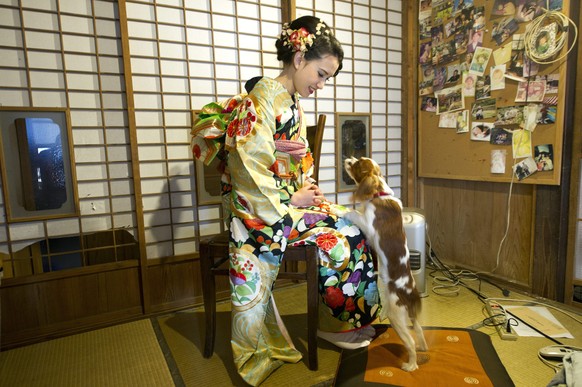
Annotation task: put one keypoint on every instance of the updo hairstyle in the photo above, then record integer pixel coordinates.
(322, 42)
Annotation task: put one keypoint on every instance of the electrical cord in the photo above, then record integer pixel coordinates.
(556, 37)
(451, 282)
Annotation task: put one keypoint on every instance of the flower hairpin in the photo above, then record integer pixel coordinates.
(297, 40)
(300, 39)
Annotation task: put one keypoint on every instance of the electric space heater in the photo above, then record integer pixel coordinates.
(414, 227)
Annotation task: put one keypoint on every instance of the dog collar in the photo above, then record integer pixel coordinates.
(380, 194)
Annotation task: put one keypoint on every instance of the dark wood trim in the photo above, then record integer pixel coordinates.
(575, 156)
(128, 75)
(409, 104)
(553, 202)
(287, 11)
(69, 273)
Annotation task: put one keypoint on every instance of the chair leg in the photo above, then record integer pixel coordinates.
(209, 295)
(312, 305)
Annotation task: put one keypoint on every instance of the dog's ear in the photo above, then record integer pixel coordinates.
(367, 188)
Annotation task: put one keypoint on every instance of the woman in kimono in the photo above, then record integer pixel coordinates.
(274, 204)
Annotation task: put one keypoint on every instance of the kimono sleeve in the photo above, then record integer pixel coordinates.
(252, 160)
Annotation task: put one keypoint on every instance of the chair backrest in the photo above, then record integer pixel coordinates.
(315, 138)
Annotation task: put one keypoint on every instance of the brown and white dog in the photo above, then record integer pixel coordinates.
(380, 219)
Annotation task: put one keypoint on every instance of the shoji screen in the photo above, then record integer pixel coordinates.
(184, 55)
(370, 82)
(67, 54)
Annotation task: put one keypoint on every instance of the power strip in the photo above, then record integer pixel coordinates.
(499, 319)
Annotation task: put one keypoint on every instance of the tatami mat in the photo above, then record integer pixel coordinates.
(184, 333)
(123, 355)
(131, 355)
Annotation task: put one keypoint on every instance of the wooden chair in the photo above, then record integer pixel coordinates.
(214, 261)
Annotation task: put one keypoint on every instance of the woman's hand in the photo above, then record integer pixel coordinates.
(308, 195)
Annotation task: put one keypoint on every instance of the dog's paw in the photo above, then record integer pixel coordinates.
(409, 366)
(339, 210)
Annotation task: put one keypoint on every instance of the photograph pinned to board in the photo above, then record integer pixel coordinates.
(425, 55)
(530, 68)
(500, 136)
(424, 24)
(437, 34)
(463, 121)
(475, 40)
(441, 11)
(498, 157)
(545, 41)
(547, 114)
(451, 120)
(497, 77)
(479, 18)
(555, 5)
(503, 8)
(530, 116)
(502, 55)
(460, 5)
(427, 73)
(544, 157)
(525, 168)
(532, 91)
(481, 131)
(480, 60)
(425, 88)
(454, 73)
(521, 144)
(429, 104)
(469, 81)
(552, 82)
(466, 62)
(460, 42)
(449, 99)
(425, 5)
(515, 69)
(440, 77)
(484, 108)
(509, 115)
(443, 53)
(527, 10)
(503, 30)
(483, 87)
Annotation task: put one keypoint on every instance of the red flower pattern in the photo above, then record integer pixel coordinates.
(256, 223)
(326, 242)
(350, 305)
(334, 297)
(196, 151)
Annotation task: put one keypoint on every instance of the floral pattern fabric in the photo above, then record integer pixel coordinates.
(263, 223)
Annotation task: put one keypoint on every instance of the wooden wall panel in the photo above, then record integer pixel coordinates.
(174, 285)
(57, 307)
(467, 221)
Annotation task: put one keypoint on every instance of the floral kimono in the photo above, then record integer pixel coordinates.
(268, 159)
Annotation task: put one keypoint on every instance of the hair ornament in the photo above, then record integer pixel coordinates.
(301, 39)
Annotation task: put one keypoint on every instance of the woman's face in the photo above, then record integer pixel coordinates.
(311, 75)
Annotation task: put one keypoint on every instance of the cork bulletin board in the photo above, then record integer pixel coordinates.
(486, 111)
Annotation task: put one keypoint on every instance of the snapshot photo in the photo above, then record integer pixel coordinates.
(484, 108)
(449, 99)
(544, 157)
(525, 168)
(509, 115)
(481, 131)
(500, 136)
